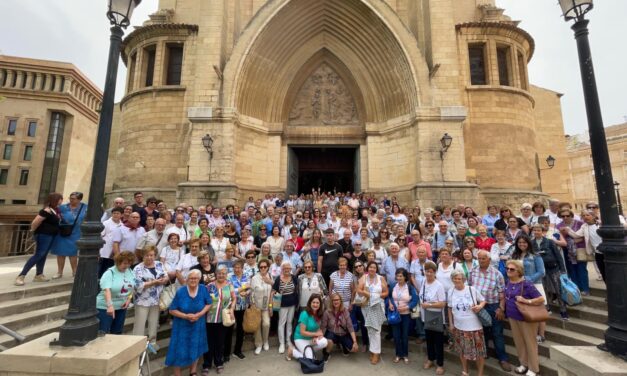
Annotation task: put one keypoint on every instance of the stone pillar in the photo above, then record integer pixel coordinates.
(30, 76)
(9, 80)
(108, 355)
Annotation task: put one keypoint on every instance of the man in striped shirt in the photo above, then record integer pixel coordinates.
(491, 284)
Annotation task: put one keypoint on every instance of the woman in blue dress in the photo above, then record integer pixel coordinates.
(72, 214)
(189, 339)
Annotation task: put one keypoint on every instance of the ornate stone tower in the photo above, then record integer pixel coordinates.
(345, 94)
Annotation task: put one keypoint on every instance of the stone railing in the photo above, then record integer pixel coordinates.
(16, 240)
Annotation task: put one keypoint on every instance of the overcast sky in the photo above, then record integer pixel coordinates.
(76, 31)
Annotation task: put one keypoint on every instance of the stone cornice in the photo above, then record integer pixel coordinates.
(143, 33)
(505, 89)
(507, 29)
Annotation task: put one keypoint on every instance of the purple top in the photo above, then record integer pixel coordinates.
(575, 227)
(512, 290)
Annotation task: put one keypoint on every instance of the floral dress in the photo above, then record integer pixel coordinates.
(148, 297)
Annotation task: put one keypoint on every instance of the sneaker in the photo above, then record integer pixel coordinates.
(57, 276)
(19, 281)
(220, 369)
(564, 316)
(281, 348)
(585, 293)
(257, 350)
(205, 372)
(239, 355)
(41, 278)
(540, 339)
(531, 373)
(266, 346)
(521, 370)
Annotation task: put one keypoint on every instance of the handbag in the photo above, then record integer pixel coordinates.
(415, 312)
(434, 321)
(166, 297)
(66, 230)
(227, 318)
(252, 319)
(276, 302)
(532, 313)
(570, 293)
(483, 314)
(360, 300)
(311, 365)
(394, 317)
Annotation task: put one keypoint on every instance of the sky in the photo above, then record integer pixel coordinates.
(77, 31)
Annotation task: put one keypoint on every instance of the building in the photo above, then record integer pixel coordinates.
(582, 170)
(49, 117)
(347, 94)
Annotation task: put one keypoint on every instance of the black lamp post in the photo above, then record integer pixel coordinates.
(613, 246)
(620, 203)
(446, 142)
(81, 325)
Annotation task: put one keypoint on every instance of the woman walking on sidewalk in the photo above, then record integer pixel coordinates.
(46, 227)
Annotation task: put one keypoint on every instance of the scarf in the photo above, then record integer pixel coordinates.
(131, 227)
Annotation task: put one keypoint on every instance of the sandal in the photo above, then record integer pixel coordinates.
(428, 364)
(406, 360)
(289, 354)
(464, 373)
(439, 371)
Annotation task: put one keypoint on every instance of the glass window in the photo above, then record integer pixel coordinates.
(24, 177)
(32, 128)
(12, 127)
(522, 70)
(131, 72)
(8, 150)
(502, 55)
(18, 202)
(150, 65)
(28, 152)
(476, 56)
(4, 176)
(175, 64)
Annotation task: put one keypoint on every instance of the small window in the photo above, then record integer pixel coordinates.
(28, 152)
(131, 72)
(522, 71)
(12, 127)
(24, 177)
(150, 65)
(175, 64)
(32, 128)
(502, 55)
(18, 202)
(476, 56)
(8, 150)
(4, 176)
(2, 201)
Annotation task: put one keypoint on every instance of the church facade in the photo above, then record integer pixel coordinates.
(353, 95)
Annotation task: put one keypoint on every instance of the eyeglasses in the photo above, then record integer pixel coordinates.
(429, 225)
(336, 300)
(307, 267)
(250, 257)
(359, 266)
(510, 269)
(263, 267)
(592, 207)
(263, 229)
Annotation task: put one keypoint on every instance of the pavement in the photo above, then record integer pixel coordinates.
(11, 266)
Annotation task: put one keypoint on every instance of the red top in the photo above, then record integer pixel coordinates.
(485, 244)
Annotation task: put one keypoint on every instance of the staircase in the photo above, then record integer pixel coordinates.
(38, 309)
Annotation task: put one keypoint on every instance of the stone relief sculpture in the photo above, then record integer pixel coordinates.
(324, 99)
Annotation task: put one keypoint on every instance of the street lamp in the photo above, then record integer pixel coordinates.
(446, 142)
(613, 248)
(620, 203)
(207, 142)
(81, 325)
(550, 161)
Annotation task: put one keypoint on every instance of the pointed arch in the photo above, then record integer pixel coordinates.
(366, 37)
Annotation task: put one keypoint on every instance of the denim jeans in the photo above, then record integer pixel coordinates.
(44, 242)
(357, 317)
(496, 332)
(579, 274)
(400, 332)
(420, 328)
(109, 324)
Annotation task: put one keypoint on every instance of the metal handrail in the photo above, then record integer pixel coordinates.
(17, 336)
(16, 239)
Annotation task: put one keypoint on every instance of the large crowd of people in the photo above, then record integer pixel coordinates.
(320, 270)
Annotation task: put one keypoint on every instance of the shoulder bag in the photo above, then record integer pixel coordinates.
(532, 313)
(311, 365)
(66, 230)
(167, 294)
(394, 317)
(227, 318)
(434, 321)
(252, 317)
(483, 314)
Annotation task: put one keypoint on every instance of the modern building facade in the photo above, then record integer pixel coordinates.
(346, 94)
(48, 115)
(582, 171)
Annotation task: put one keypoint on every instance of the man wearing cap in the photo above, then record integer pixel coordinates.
(328, 255)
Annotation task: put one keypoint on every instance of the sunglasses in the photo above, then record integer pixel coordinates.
(307, 267)
(263, 267)
(592, 207)
(250, 257)
(429, 225)
(511, 269)
(359, 266)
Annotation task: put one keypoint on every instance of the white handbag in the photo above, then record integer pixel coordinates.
(227, 317)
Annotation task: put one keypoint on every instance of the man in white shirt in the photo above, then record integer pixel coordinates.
(552, 212)
(118, 202)
(106, 252)
(155, 236)
(125, 237)
(179, 228)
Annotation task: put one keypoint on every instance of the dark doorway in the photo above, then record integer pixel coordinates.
(329, 168)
